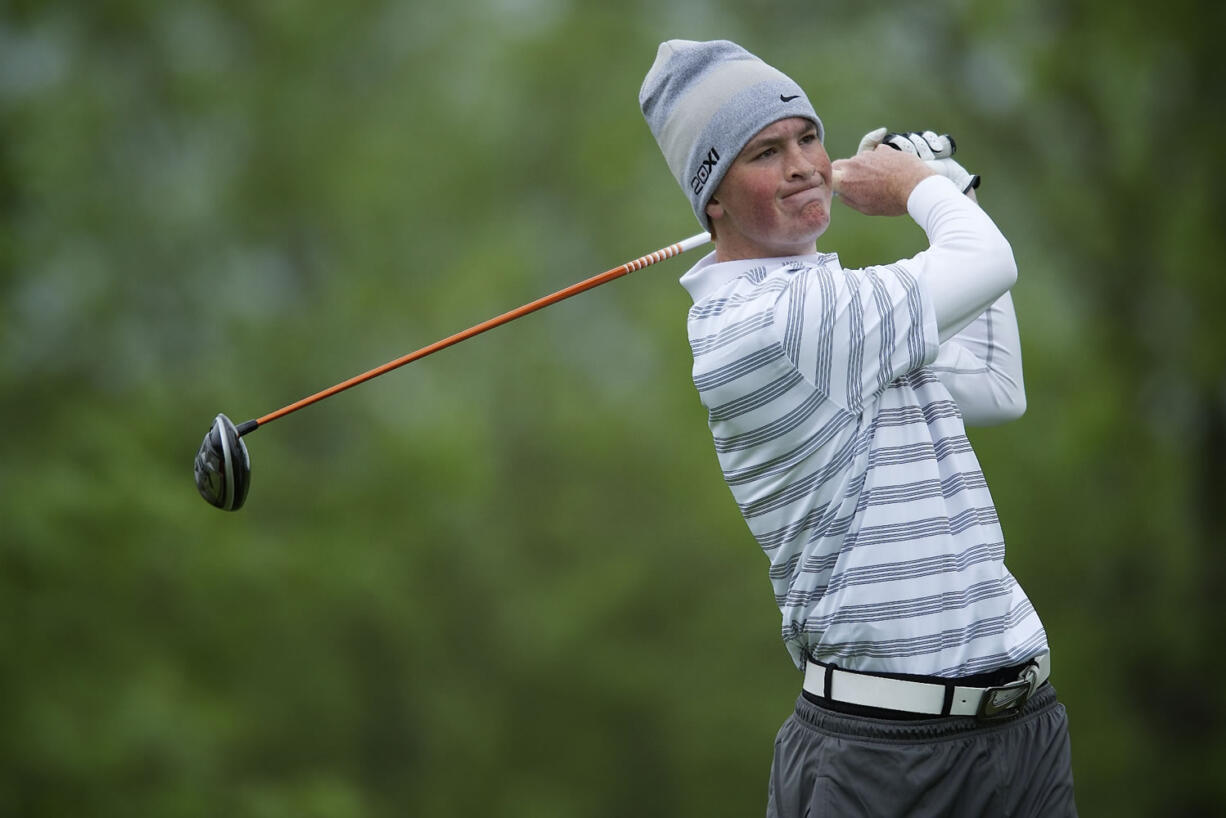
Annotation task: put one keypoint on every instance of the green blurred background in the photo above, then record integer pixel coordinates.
(509, 580)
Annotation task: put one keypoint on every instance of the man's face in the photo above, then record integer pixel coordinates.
(775, 199)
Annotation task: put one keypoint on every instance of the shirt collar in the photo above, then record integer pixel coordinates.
(708, 275)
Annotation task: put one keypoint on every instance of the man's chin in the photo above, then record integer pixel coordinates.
(816, 217)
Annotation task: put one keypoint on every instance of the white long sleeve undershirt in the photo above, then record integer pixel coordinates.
(981, 367)
(969, 263)
(968, 270)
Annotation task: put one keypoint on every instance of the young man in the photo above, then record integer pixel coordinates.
(837, 400)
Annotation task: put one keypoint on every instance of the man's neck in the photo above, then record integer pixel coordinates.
(739, 251)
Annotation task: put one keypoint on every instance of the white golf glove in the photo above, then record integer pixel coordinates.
(933, 148)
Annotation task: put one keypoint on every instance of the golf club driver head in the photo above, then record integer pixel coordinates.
(223, 467)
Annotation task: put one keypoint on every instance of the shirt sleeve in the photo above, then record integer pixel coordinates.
(850, 333)
(981, 367)
(968, 264)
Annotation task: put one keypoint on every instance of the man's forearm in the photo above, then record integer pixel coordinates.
(969, 263)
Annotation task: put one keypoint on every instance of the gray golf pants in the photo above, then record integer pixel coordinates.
(831, 764)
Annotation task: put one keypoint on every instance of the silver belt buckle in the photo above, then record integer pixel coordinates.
(1008, 700)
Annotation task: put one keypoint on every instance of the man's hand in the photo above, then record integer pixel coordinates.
(933, 148)
(871, 140)
(878, 182)
(927, 145)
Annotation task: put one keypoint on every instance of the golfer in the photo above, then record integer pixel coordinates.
(837, 399)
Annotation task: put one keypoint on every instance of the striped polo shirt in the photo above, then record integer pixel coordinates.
(849, 461)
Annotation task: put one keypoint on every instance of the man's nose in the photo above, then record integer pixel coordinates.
(800, 166)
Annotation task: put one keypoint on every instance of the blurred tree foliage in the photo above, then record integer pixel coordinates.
(508, 580)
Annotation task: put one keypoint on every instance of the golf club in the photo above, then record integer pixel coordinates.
(223, 466)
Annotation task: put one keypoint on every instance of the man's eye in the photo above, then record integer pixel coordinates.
(764, 154)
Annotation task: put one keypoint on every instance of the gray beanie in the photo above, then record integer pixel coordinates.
(705, 101)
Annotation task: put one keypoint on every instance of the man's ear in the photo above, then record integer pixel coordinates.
(714, 210)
